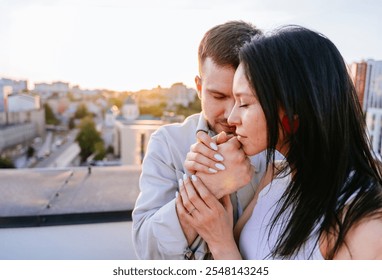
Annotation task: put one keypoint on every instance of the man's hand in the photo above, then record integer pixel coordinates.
(202, 154)
(188, 230)
(212, 218)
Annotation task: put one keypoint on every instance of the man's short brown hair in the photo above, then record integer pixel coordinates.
(223, 42)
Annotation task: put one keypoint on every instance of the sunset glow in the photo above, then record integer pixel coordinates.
(130, 45)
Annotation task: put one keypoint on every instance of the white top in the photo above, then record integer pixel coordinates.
(157, 233)
(255, 242)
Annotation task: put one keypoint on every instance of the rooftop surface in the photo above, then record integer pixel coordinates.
(45, 191)
(70, 213)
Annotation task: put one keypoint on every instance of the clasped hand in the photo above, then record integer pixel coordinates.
(223, 167)
(204, 206)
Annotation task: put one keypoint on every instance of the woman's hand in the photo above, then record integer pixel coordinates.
(204, 155)
(220, 177)
(211, 218)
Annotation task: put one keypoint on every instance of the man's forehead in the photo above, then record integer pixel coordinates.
(209, 65)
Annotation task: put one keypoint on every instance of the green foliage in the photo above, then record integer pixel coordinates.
(110, 150)
(193, 108)
(87, 138)
(99, 151)
(81, 112)
(50, 117)
(71, 97)
(155, 110)
(5, 162)
(116, 101)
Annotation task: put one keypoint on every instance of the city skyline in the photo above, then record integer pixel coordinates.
(133, 45)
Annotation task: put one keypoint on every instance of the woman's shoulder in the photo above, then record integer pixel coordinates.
(364, 240)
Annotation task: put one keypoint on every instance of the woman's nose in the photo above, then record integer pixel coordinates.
(233, 118)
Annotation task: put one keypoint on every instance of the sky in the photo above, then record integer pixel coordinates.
(141, 44)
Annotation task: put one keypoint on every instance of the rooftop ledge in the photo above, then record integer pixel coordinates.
(70, 213)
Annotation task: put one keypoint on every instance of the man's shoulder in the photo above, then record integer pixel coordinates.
(188, 125)
(173, 139)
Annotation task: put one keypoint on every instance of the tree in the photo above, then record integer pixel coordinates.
(193, 108)
(50, 117)
(87, 138)
(81, 112)
(99, 151)
(5, 162)
(116, 101)
(154, 110)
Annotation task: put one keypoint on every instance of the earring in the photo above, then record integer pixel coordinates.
(287, 126)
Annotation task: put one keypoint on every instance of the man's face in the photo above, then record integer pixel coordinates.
(215, 91)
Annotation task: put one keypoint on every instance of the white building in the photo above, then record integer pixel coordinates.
(24, 120)
(11, 135)
(130, 110)
(9, 87)
(17, 86)
(78, 92)
(179, 94)
(131, 139)
(23, 102)
(111, 115)
(46, 90)
(4, 92)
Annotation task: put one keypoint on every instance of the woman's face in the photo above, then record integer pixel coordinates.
(248, 116)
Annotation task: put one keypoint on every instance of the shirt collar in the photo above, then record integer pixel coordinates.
(203, 126)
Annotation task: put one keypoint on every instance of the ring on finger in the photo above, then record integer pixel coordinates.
(192, 210)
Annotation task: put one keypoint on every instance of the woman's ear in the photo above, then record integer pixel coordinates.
(198, 84)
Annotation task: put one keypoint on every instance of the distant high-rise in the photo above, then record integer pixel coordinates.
(358, 70)
(367, 77)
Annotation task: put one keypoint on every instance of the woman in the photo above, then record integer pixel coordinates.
(293, 94)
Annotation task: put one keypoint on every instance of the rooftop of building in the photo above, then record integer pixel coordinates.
(69, 213)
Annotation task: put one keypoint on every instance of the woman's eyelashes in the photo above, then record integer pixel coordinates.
(244, 103)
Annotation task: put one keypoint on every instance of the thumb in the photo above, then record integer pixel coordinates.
(222, 137)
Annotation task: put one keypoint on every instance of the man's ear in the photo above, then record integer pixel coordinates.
(198, 84)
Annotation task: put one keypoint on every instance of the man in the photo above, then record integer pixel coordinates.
(158, 232)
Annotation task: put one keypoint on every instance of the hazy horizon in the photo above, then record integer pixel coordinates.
(132, 45)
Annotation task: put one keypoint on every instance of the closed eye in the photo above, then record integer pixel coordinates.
(220, 96)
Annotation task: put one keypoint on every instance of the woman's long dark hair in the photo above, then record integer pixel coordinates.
(336, 181)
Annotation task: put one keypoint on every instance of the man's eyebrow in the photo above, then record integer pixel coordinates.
(216, 91)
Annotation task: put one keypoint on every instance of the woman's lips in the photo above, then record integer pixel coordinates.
(240, 137)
